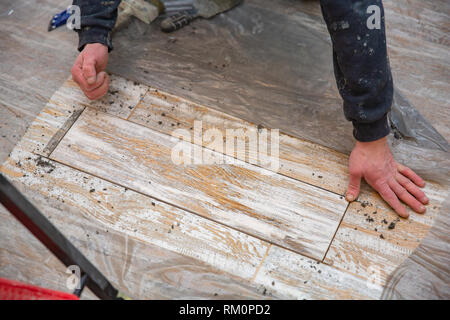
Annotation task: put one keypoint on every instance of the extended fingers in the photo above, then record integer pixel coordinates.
(412, 188)
(407, 172)
(406, 197)
(389, 196)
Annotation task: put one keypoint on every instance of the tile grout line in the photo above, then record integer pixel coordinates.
(181, 208)
(244, 232)
(148, 89)
(137, 104)
(334, 235)
(224, 154)
(65, 131)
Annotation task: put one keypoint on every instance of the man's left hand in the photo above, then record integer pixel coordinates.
(374, 162)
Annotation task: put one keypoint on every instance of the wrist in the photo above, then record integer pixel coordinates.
(94, 35)
(96, 47)
(380, 143)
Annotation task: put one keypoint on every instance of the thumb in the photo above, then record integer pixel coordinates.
(89, 71)
(353, 187)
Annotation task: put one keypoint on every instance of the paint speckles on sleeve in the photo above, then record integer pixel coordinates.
(361, 66)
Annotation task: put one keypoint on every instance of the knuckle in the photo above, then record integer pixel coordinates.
(381, 186)
(410, 186)
(402, 192)
(74, 73)
(413, 188)
(354, 172)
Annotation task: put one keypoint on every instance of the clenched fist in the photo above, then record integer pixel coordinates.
(88, 72)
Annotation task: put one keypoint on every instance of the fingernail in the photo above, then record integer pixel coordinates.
(350, 197)
(425, 199)
(403, 212)
(91, 80)
(422, 208)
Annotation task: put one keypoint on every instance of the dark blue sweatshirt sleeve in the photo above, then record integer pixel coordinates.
(98, 18)
(361, 65)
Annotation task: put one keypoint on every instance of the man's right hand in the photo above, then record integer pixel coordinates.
(88, 72)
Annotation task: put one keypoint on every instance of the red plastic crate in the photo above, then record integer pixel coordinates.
(15, 290)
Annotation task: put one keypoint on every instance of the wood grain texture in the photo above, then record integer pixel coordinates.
(67, 103)
(361, 261)
(132, 241)
(141, 217)
(298, 277)
(226, 63)
(139, 269)
(418, 42)
(31, 70)
(420, 277)
(251, 199)
(33, 64)
(24, 258)
(298, 158)
(372, 241)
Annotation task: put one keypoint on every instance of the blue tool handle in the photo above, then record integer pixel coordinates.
(58, 20)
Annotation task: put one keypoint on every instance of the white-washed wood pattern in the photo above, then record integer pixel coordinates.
(139, 216)
(299, 159)
(122, 96)
(111, 226)
(298, 277)
(28, 260)
(251, 199)
(364, 244)
(68, 102)
(411, 21)
(139, 269)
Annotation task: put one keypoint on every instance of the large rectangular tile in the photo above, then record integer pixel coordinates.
(297, 158)
(254, 200)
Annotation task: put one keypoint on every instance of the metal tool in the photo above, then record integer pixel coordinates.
(58, 20)
(172, 6)
(202, 8)
(56, 242)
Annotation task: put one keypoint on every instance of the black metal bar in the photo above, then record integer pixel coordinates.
(82, 284)
(54, 240)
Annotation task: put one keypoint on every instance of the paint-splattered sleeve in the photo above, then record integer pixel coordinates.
(98, 18)
(361, 64)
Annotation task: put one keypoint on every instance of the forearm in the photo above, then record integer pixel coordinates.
(98, 18)
(361, 65)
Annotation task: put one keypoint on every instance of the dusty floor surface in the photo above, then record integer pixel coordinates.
(34, 63)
